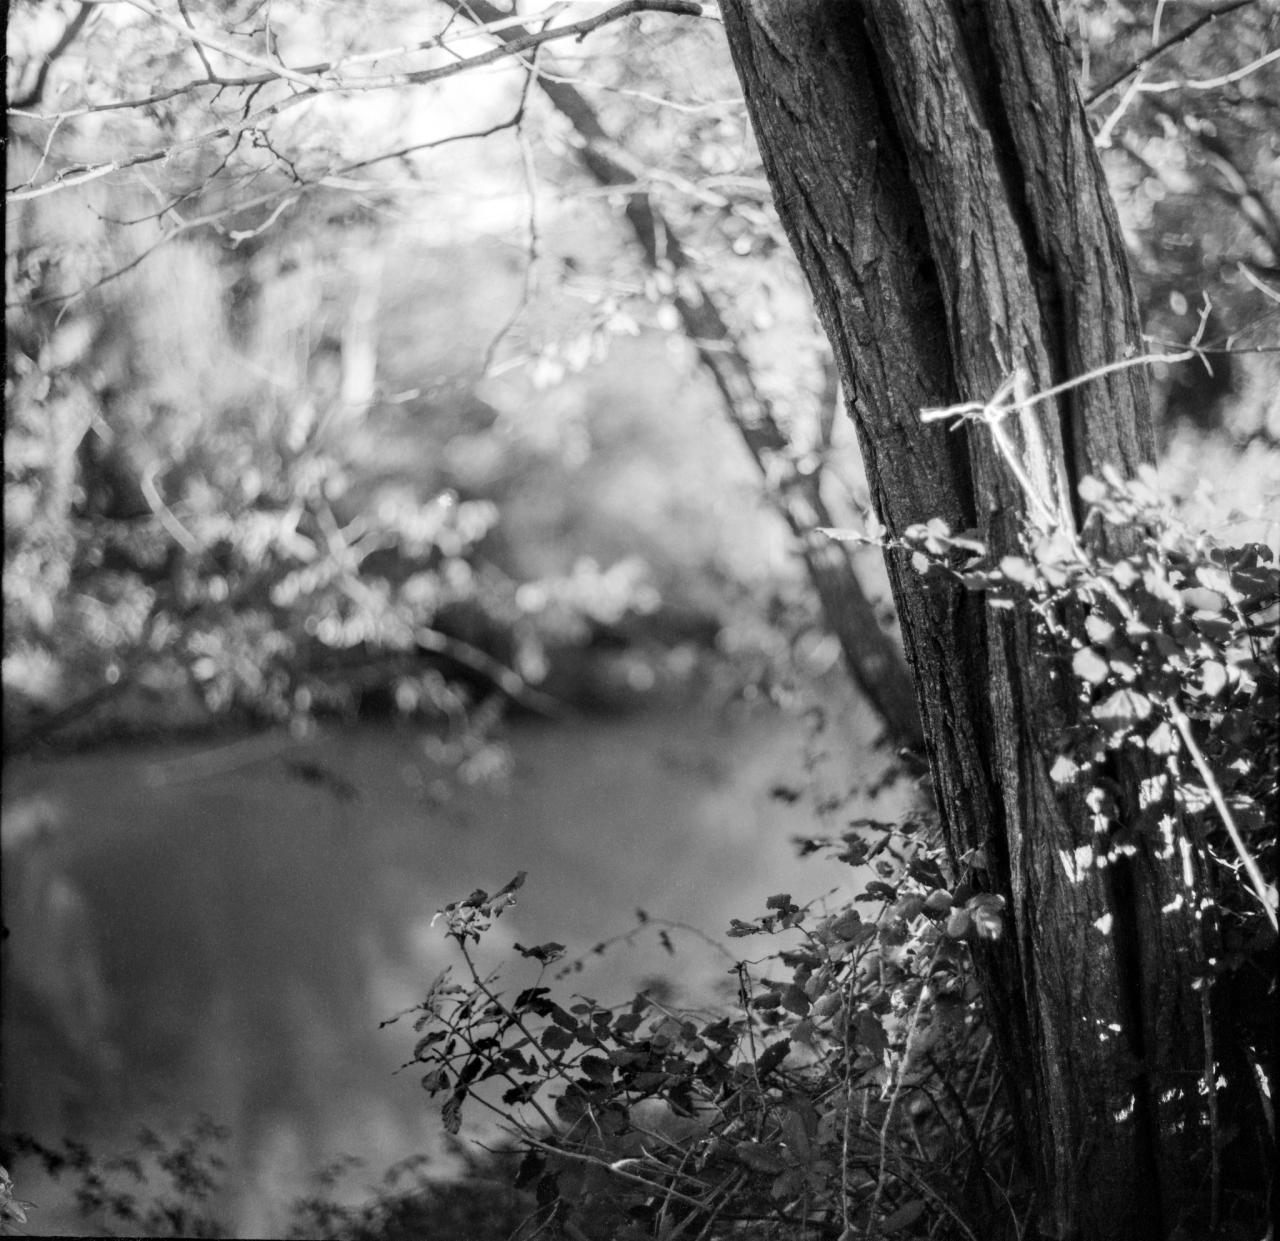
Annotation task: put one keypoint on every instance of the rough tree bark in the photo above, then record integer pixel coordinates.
(934, 170)
(871, 655)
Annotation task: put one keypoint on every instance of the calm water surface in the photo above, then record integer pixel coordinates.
(218, 930)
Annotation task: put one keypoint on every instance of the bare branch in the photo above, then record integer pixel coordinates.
(1220, 10)
(74, 26)
(73, 176)
(204, 60)
(310, 81)
(274, 70)
(873, 660)
(1224, 79)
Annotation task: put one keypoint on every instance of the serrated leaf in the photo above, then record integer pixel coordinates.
(794, 1000)
(556, 1039)
(546, 953)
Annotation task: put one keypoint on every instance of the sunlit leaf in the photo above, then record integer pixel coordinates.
(1122, 710)
(1089, 665)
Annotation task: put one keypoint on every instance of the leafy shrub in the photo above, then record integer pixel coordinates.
(850, 1092)
(158, 1189)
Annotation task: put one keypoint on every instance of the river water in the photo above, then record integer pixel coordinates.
(219, 929)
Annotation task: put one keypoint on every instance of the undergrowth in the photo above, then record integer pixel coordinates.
(852, 1091)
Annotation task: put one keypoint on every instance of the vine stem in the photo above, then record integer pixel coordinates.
(1264, 892)
(872, 1224)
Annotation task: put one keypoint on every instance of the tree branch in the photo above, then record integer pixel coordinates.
(872, 657)
(1172, 41)
(309, 79)
(74, 26)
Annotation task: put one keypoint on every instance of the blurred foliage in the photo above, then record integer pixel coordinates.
(1191, 151)
(344, 406)
(162, 1187)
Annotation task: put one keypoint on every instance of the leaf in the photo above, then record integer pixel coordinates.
(1213, 679)
(904, 1216)
(772, 1056)
(938, 902)
(1100, 631)
(451, 1112)
(759, 1158)
(986, 910)
(1092, 490)
(513, 884)
(1216, 579)
(781, 902)
(871, 1034)
(1122, 710)
(1200, 599)
(520, 1093)
(794, 1000)
(546, 953)
(531, 1168)
(1163, 739)
(878, 890)
(598, 1069)
(555, 1039)
(1089, 665)
(1017, 569)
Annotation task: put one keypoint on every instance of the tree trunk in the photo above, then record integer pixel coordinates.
(934, 170)
(871, 655)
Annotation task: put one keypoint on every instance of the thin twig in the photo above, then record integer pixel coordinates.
(1262, 890)
(1159, 50)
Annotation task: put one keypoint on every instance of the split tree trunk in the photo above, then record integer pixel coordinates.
(934, 170)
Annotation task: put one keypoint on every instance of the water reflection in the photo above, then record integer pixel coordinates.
(221, 931)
